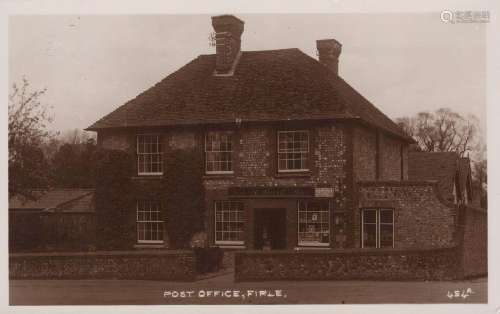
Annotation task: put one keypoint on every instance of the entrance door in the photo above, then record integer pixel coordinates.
(270, 229)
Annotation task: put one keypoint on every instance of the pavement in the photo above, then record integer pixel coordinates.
(221, 289)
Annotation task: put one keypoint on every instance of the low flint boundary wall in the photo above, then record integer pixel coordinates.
(352, 264)
(137, 265)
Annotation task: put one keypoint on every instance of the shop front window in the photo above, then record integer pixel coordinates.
(314, 223)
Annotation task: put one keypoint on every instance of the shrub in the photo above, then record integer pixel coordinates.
(208, 259)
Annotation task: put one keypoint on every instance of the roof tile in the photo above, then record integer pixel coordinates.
(438, 166)
(66, 199)
(272, 85)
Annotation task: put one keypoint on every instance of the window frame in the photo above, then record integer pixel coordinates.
(377, 210)
(159, 222)
(311, 243)
(243, 221)
(159, 143)
(231, 133)
(307, 161)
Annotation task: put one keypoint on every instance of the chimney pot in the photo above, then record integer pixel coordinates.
(228, 30)
(329, 51)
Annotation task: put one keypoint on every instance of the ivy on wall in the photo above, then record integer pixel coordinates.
(180, 191)
(184, 197)
(115, 228)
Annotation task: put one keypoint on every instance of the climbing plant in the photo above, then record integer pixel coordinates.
(184, 197)
(115, 224)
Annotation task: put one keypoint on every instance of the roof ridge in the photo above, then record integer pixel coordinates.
(254, 51)
(271, 50)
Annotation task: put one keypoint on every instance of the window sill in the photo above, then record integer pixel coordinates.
(149, 246)
(218, 172)
(148, 177)
(150, 174)
(230, 244)
(233, 247)
(319, 247)
(293, 174)
(218, 175)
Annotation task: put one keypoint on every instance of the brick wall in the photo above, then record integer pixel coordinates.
(390, 158)
(115, 139)
(378, 156)
(464, 258)
(140, 265)
(255, 161)
(475, 243)
(405, 161)
(255, 165)
(182, 139)
(253, 152)
(364, 153)
(61, 231)
(360, 264)
(68, 231)
(421, 218)
(330, 154)
(255, 158)
(25, 230)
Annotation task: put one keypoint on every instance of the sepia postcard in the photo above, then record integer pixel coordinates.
(327, 157)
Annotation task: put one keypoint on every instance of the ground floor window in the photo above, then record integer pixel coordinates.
(377, 228)
(229, 223)
(149, 222)
(314, 223)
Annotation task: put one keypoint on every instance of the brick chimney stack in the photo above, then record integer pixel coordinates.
(329, 51)
(228, 30)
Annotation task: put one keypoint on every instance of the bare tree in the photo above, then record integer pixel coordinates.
(481, 180)
(28, 120)
(442, 131)
(447, 131)
(76, 136)
(480, 175)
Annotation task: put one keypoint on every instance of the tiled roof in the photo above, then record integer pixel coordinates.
(273, 85)
(438, 166)
(82, 204)
(64, 199)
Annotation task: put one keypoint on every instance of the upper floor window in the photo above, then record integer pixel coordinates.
(149, 155)
(377, 228)
(293, 151)
(218, 152)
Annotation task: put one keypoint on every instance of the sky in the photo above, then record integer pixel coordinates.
(403, 63)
